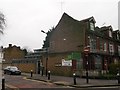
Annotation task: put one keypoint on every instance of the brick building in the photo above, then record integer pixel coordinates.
(12, 52)
(68, 40)
(32, 61)
(15, 56)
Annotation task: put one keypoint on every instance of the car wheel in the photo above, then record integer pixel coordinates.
(9, 73)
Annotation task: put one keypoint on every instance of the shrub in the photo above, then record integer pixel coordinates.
(113, 68)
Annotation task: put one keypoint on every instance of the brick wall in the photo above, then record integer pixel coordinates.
(13, 52)
(55, 64)
(68, 35)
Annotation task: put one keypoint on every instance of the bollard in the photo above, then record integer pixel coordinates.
(87, 80)
(31, 73)
(42, 71)
(74, 78)
(118, 77)
(48, 75)
(3, 83)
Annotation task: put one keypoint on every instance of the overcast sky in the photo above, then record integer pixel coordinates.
(26, 18)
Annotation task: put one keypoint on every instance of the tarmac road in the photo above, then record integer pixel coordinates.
(98, 88)
(102, 88)
(16, 81)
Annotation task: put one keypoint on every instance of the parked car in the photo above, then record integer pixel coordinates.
(12, 70)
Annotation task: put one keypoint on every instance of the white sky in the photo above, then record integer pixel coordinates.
(26, 18)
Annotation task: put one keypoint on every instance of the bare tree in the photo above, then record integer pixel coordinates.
(2, 22)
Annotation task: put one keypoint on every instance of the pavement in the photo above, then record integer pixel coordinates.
(69, 81)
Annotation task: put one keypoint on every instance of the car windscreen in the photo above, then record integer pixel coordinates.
(13, 68)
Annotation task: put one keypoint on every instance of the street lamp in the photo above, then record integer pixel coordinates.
(46, 61)
(87, 81)
(46, 65)
(43, 31)
(86, 51)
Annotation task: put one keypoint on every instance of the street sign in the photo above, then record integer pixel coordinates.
(66, 62)
(74, 56)
(86, 50)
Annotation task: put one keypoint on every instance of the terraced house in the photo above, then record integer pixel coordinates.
(68, 42)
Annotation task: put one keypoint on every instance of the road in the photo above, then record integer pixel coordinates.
(13, 81)
(103, 88)
(16, 81)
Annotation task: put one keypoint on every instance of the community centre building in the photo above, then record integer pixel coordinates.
(73, 46)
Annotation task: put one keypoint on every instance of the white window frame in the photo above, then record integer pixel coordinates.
(110, 33)
(119, 50)
(92, 26)
(105, 46)
(111, 48)
(117, 36)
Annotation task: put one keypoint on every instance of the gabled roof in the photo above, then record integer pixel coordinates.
(105, 28)
(84, 20)
(66, 16)
(89, 19)
(116, 31)
(63, 21)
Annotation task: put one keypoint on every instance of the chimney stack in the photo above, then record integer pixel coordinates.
(10, 45)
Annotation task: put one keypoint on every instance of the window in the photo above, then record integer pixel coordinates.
(119, 50)
(110, 33)
(118, 35)
(105, 47)
(98, 61)
(91, 26)
(92, 44)
(101, 45)
(111, 49)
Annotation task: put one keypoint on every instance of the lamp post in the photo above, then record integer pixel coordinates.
(87, 80)
(86, 52)
(46, 61)
(46, 65)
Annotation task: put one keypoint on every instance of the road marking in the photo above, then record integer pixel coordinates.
(106, 87)
(10, 86)
(25, 78)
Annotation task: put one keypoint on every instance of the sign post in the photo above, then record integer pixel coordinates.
(86, 51)
(1, 74)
